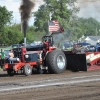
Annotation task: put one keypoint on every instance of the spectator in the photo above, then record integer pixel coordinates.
(2, 54)
(2, 58)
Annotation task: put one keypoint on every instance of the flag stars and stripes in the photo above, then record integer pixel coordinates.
(54, 26)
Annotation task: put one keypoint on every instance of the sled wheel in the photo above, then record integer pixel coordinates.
(56, 61)
(10, 72)
(27, 70)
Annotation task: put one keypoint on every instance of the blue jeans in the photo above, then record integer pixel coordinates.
(11, 60)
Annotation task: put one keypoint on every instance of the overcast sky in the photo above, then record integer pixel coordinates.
(88, 8)
(13, 5)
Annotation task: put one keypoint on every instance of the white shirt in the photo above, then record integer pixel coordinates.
(11, 55)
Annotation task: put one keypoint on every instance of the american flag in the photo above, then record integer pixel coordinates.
(54, 26)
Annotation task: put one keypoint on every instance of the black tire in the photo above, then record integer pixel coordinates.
(4, 69)
(27, 70)
(56, 62)
(10, 72)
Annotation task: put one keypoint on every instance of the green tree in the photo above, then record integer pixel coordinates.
(5, 17)
(61, 10)
(90, 26)
(12, 35)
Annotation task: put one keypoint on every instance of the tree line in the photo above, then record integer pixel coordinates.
(64, 11)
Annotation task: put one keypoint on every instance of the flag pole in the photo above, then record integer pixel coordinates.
(48, 28)
(48, 23)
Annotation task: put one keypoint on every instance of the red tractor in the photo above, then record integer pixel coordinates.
(45, 58)
(40, 58)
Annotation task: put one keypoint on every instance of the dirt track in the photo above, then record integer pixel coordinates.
(65, 86)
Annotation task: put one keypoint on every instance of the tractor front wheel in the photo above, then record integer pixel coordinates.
(10, 72)
(27, 69)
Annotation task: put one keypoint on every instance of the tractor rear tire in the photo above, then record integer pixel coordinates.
(10, 72)
(56, 62)
(27, 70)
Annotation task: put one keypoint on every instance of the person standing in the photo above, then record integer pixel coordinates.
(0, 60)
(2, 54)
(2, 57)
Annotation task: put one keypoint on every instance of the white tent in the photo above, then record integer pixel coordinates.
(87, 39)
